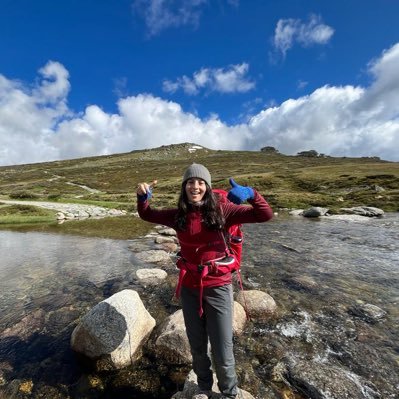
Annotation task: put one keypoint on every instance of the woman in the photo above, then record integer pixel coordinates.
(206, 293)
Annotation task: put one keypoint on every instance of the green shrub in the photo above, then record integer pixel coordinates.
(54, 196)
(23, 195)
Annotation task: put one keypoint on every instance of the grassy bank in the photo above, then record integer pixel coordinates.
(11, 215)
(31, 218)
(119, 228)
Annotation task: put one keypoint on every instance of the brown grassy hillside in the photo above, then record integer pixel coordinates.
(110, 181)
(287, 181)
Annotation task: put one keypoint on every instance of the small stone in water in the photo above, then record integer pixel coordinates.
(302, 283)
(368, 312)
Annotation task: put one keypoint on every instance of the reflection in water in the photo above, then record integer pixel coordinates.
(316, 270)
(39, 269)
(41, 255)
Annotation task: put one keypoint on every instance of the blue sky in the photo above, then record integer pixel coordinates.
(94, 77)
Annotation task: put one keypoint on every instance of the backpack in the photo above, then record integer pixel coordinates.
(234, 238)
(233, 235)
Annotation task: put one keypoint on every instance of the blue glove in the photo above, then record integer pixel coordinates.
(239, 194)
(146, 196)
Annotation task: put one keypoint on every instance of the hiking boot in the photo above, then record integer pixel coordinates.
(238, 396)
(202, 395)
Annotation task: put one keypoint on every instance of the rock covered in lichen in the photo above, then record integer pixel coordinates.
(113, 331)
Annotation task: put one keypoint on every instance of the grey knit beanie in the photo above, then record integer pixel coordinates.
(199, 171)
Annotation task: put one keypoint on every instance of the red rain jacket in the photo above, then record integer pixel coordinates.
(198, 243)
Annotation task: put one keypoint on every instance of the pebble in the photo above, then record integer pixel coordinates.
(368, 312)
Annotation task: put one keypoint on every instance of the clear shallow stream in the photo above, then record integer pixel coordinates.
(323, 274)
(320, 273)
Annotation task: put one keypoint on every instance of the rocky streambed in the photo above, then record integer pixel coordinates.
(333, 334)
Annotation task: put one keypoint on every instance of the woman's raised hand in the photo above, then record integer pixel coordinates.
(239, 194)
(144, 190)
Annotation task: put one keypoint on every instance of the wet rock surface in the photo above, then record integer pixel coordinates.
(368, 312)
(30, 324)
(306, 283)
(364, 211)
(154, 256)
(317, 380)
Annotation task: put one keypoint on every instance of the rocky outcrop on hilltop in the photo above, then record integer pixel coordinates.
(172, 151)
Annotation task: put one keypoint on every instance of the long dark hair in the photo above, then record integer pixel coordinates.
(210, 210)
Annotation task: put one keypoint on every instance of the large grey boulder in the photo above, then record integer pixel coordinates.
(172, 344)
(113, 331)
(259, 305)
(239, 318)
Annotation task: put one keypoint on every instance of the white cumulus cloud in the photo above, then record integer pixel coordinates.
(349, 121)
(29, 113)
(291, 31)
(36, 124)
(163, 14)
(159, 15)
(231, 79)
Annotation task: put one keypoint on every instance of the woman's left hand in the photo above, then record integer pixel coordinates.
(239, 194)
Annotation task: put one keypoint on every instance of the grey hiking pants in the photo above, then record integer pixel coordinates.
(217, 324)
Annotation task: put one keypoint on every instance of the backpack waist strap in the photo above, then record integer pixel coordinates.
(215, 267)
